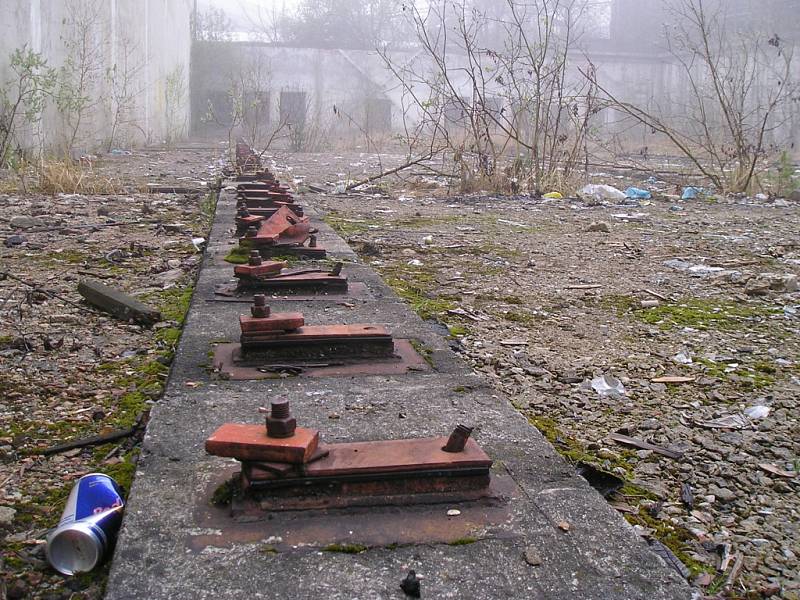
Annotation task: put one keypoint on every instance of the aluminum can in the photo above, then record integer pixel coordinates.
(88, 525)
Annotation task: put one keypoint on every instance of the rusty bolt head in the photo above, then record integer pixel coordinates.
(280, 422)
(252, 231)
(255, 258)
(260, 310)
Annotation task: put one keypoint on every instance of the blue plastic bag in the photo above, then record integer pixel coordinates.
(691, 193)
(637, 193)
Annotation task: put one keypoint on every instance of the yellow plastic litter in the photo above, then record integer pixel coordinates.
(555, 195)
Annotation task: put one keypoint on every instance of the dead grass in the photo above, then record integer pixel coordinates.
(68, 177)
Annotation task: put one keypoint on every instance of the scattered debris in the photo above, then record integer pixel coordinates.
(411, 585)
(774, 470)
(532, 556)
(673, 379)
(669, 557)
(636, 443)
(599, 194)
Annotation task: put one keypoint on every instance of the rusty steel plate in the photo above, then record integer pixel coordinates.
(276, 323)
(303, 334)
(261, 211)
(244, 294)
(270, 267)
(396, 455)
(228, 364)
(309, 282)
(404, 520)
(293, 250)
(250, 442)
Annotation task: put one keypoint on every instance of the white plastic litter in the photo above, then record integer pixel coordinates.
(759, 411)
(601, 193)
(608, 385)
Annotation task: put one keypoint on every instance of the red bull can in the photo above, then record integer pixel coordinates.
(88, 525)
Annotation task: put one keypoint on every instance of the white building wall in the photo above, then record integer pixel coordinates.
(153, 36)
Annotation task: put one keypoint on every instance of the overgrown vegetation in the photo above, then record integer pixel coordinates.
(22, 101)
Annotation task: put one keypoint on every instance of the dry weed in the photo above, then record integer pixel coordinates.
(68, 177)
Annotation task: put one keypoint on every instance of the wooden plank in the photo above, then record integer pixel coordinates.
(117, 303)
(673, 379)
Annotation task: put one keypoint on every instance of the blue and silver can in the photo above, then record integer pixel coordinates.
(88, 526)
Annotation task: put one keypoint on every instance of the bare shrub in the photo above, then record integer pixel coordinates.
(735, 82)
(495, 91)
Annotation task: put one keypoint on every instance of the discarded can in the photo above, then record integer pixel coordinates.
(88, 525)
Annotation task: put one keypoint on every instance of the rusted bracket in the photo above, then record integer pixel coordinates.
(293, 471)
(268, 276)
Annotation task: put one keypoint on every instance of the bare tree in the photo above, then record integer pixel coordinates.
(123, 89)
(735, 83)
(247, 113)
(84, 43)
(175, 89)
(212, 25)
(497, 84)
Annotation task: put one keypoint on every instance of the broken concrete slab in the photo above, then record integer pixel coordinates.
(118, 303)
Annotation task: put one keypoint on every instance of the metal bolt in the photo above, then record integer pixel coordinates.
(337, 269)
(255, 258)
(458, 439)
(243, 212)
(252, 231)
(312, 241)
(259, 310)
(280, 422)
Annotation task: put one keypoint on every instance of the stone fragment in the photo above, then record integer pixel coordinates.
(7, 515)
(532, 556)
(600, 226)
(117, 303)
(23, 222)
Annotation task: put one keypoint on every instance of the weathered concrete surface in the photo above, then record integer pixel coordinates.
(174, 546)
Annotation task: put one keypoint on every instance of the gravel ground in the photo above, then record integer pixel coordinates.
(67, 371)
(534, 300)
(543, 297)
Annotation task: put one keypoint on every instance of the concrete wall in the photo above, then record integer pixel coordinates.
(353, 81)
(149, 40)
